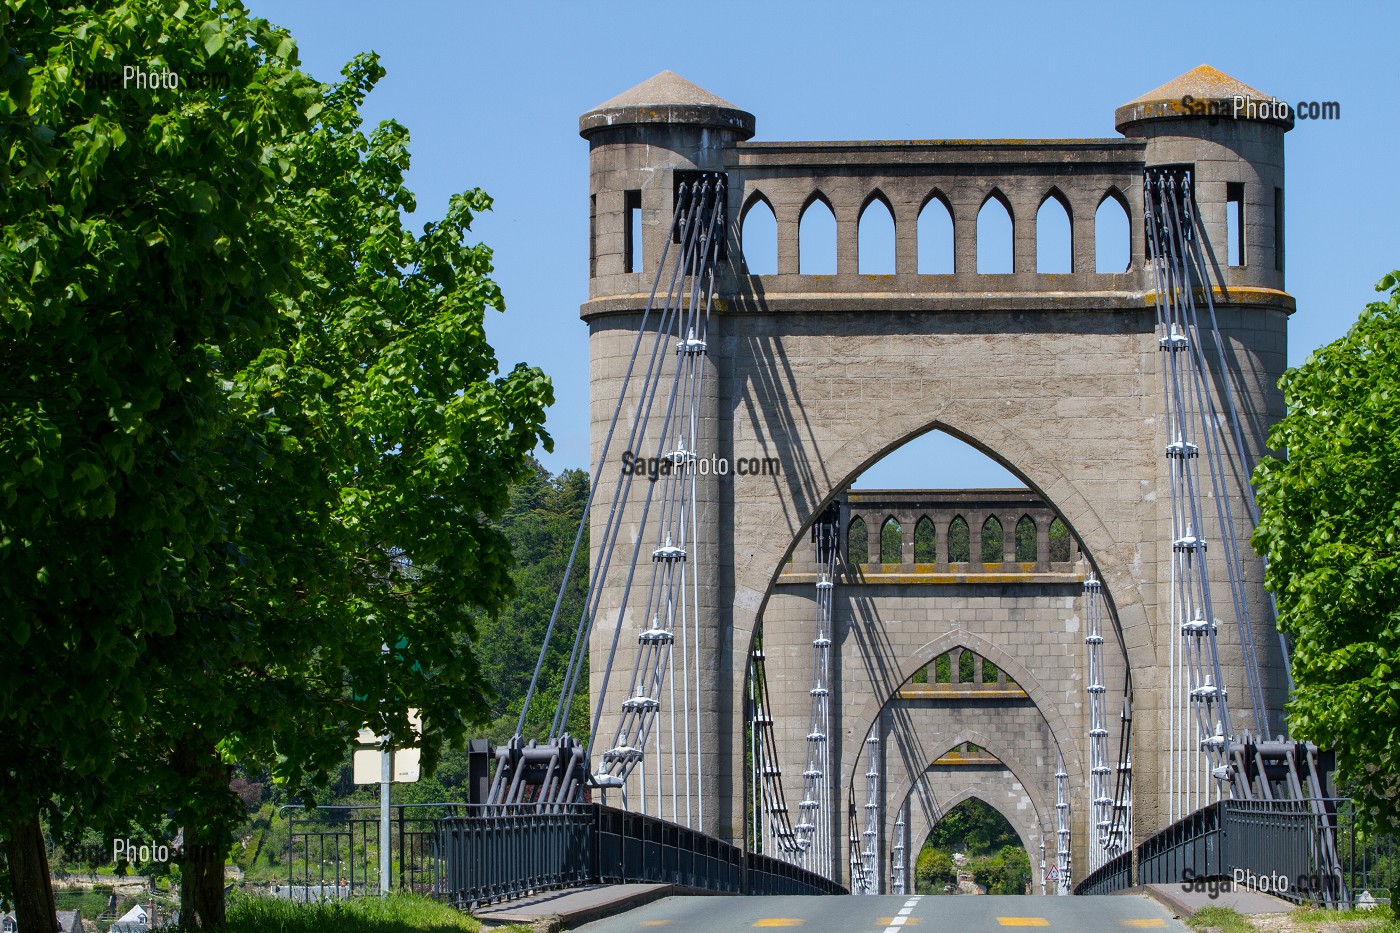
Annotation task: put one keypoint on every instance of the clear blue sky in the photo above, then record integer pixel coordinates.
(492, 93)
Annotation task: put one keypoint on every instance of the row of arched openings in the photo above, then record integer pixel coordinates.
(875, 236)
(891, 542)
(961, 666)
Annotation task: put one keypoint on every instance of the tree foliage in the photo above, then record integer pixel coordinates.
(974, 826)
(933, 871)
(255, 433)
(1330, 529)
(540, 524)
(993, 851)
(134, 270)
(1006, 872)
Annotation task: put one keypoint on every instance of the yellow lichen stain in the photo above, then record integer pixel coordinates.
(1233, 294)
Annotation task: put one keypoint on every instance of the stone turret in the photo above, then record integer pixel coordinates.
(637, 141)
(1232, 136)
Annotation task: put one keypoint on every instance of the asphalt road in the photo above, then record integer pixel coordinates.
(887, 914)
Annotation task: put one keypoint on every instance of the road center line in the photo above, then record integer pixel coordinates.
(896, 924)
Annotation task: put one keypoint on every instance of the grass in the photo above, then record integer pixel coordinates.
(1380, 920)
(1220, 918)
(398, 913)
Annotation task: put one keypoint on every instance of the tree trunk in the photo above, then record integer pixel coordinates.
(29, 872)
(207, 844)
(202, 885)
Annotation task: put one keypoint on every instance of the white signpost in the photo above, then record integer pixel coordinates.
(376, 762)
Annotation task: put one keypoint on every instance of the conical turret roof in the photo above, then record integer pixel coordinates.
(1201, 92)
(665, 88)
(667, 98)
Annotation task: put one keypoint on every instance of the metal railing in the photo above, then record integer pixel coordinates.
(333, 852)
(1276, 847)
(637, 848)
(495, 853)
(1114, 875)
(1370, 866)
(1192, 847)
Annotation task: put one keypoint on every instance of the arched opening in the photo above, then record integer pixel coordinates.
(996, 252)
(973, 849)
(857, 542)
(1060, 546)
(991, 673)
(971, 668)
(1054, 235)
(891, 542)
(967, 666)
(959, 541)
(935, 235)
(936, 460)
(1027, 548)
(992, 542)
(925, 542)
(816, 238)
(875, 237)
(758, 237)
(1113, 241)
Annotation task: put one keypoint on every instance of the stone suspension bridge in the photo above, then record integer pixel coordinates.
(791, 682)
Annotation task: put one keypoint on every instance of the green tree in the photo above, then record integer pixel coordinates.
(925, 542)
(891, 542)
(1006, 872)
(959, 541)
(259, 434)
(933, 870)
(1027, 547)
(129, 256)
(1330, 530)
(975, 825)
(1061, 543)
(541, 524)
(373, 458)
(858, 542)
(992, 541)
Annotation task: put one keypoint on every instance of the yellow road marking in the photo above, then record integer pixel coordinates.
(1153, 922)
(1023, 921)
(779, 922)
(887, 921)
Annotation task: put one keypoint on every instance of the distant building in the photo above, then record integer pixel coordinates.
(69, 921)
(135, 920)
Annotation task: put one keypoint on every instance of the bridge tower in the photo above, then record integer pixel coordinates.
(642, 144)
(1056, 376)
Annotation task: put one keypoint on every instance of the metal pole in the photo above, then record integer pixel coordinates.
(1042, 865)
(386, 778)
(403, 850)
